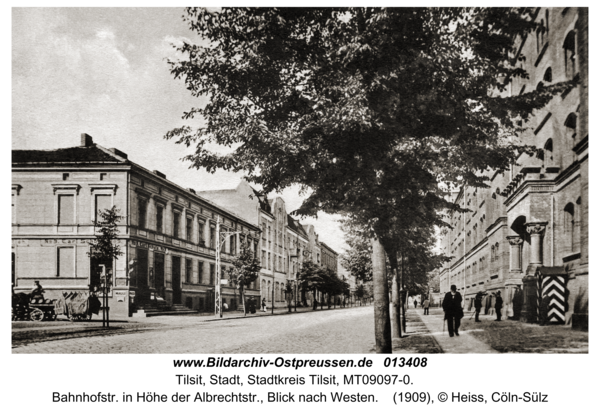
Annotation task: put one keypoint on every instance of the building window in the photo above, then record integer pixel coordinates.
(232, 242)
(548, 75)
(269, 262)
(103, 202)
(200, 272)
(548, 153)
(201, 232)
(188, 228)
(65, 262)
(188, 271)
(66, 209)
(212, 236)
(223, 272)
(176, 219)
(142, 210)
(211, 276)
(569, 226)
(571, 124)
(570, 55)
(159, 218)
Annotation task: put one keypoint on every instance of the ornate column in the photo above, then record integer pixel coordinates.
(536, 231)
(530, 291)
(515, 242)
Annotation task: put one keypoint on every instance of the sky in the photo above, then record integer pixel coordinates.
(104, 72)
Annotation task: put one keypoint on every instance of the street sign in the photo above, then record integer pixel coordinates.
(224, 281)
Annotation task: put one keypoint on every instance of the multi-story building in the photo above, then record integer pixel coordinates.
(167, 234)
(284, 243)
(329, 258)
(531, 225)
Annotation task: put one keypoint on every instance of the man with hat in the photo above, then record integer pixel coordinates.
(453, 311)
(498, 306)
(478, 303)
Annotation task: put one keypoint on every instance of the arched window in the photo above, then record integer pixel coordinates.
(497, 251)
(569, 225)
(570, 55)
(548, 75)
(539, 86)
(571, 124)
(548, 153)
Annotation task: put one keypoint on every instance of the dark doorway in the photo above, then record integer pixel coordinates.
(96, 268)
(159, 274)
(142, 273)
(176, 280)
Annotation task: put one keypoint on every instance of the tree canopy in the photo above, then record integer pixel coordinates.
(348, 102)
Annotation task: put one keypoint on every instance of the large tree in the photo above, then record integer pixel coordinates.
(358, 105)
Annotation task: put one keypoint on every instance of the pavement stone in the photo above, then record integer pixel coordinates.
(466, 343)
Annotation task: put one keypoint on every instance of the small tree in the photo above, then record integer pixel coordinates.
(104, 248)
(245, 270)
(360, 292)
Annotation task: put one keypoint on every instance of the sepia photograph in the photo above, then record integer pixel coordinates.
(264, 180)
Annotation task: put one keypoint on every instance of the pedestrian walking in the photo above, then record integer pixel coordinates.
(426, 307)
(453, 311)
(415, 303)
(544, 305)
(517, 303)
(478, 305)
(264, 305)
(498, 306)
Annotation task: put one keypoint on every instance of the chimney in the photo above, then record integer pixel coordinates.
(86, 140)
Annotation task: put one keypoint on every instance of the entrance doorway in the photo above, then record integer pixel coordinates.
(159, 274)
(176, 280)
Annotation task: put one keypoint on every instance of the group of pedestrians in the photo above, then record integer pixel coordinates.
(453, 309)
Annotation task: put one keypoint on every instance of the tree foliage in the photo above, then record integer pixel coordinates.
(350, 102)
(103, 246)
(244, 271)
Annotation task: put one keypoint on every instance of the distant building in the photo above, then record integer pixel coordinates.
(531, 226)
(285, 243)
(168, 234)
(329, 258)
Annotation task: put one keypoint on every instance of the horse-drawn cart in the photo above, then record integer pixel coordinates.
(35, 309)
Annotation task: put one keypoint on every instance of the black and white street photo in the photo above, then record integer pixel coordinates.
(336, 180)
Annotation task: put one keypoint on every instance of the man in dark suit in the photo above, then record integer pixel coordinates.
(453, 311)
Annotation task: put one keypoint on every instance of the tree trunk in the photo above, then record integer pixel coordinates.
(383, 333)
(402, 293)
(243, 298)
(395, 319)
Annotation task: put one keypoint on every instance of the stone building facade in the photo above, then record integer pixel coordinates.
(533, 219)
(284, 243)
(329, 258)
(168, 233)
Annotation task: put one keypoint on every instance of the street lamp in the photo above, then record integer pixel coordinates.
(221, 237)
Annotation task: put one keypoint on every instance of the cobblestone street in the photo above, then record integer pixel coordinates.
(347, 330)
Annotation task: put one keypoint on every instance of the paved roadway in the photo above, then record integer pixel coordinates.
(349, 330)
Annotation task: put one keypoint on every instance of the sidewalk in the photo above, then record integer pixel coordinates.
(466, 343)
